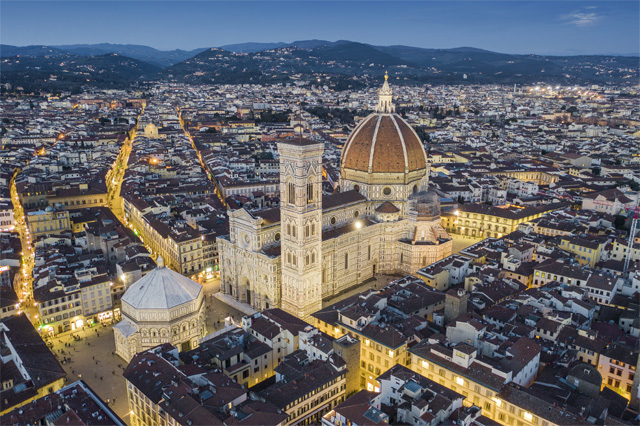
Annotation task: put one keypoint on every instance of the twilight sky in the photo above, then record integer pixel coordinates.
(510, 26)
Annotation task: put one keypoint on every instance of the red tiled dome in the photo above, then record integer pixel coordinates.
(383, 143)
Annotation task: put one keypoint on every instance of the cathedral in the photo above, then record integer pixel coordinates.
(316, 246)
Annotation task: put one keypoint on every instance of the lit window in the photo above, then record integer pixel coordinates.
(460, 381)
(425, 364)
(527, 416)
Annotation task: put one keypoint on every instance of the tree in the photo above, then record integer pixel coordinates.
(265, 155)
(619, 221)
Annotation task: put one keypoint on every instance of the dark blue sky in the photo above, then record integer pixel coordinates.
(512, 26)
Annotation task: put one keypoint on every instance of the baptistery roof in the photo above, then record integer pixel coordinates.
(161, 288)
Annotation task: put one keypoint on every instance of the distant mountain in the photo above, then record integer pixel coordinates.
(70, 72)
(311, 44)
(251, 47)
(162, 58)
(342, 59)
(7, 51)
(406, 65)
(364, 54)
(338, 64)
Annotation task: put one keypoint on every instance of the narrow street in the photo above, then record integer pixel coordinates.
(115, 184)
(202, 164)
(24, 287)
(116, 176)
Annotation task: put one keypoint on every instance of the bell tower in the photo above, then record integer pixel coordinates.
(301, 225)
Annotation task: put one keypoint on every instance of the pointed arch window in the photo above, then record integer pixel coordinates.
(310, 195)
(292, 193)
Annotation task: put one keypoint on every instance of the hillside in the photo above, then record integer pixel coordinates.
(341, 65)
(251, 47)
(7, 51)
(162, 58)
(69, 72)
(344, 60)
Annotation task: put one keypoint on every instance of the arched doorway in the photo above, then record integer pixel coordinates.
(245, 291)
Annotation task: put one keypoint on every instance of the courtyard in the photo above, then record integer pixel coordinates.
(461, 242)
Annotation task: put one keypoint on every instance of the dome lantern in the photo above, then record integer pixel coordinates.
(385, 97)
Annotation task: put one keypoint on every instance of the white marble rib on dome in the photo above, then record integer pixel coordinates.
(161, 288)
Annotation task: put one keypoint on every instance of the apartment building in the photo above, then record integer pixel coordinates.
(484, 221)
(48, 222)
(617, 365)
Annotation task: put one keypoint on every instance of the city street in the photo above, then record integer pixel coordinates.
(202, 164)
(114, 198)
(24, 289)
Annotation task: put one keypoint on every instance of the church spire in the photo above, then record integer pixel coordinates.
(385, 97)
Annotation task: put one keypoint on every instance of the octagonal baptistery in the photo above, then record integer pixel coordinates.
(384, 158)
(161, 307)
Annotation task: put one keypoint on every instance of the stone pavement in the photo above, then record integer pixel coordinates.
(93, 360)
(461, 242)
(228, 300)
(218, 309)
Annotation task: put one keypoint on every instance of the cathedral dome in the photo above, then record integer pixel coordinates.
(384, 142)
(161, 288)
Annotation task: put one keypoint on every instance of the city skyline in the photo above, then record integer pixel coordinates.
(358, 213)
(539, 27)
